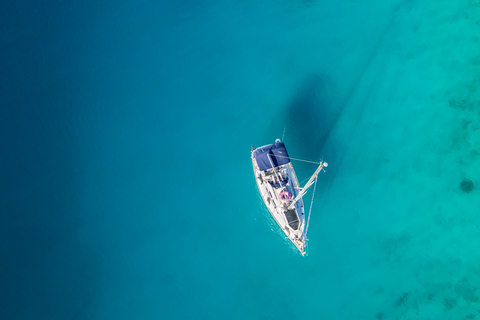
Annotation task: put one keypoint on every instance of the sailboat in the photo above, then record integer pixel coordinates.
(281, 192)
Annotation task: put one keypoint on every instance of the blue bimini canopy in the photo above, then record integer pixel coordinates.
(275, 154)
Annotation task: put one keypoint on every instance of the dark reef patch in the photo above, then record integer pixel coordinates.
(402, 300)
(466, 290)
(466, 185)
(449, 303)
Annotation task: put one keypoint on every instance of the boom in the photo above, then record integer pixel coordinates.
(308, 184)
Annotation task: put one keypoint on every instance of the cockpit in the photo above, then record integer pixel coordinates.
(279, 180)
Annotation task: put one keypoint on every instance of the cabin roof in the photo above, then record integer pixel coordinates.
(275, 154)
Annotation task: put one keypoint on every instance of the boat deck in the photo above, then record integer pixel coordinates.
(271, 183)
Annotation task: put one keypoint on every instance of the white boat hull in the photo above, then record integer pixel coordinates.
(292, 221)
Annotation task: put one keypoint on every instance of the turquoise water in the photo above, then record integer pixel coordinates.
(126, 183)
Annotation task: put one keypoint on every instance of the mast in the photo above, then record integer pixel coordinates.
(307, 185)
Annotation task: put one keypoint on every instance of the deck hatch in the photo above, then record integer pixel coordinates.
(292, 219)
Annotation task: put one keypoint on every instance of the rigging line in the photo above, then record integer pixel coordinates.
(283, 135)
(310, 211)
(303, 181)
(297, 159)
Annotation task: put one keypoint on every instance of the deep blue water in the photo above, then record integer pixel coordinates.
(126, 183)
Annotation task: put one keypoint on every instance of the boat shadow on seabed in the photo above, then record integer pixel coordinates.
(309, 118)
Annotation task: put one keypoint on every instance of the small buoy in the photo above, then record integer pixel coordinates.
(325, 164)
(278, 141)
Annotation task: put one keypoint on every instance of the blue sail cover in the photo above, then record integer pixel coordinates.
(271, 151)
